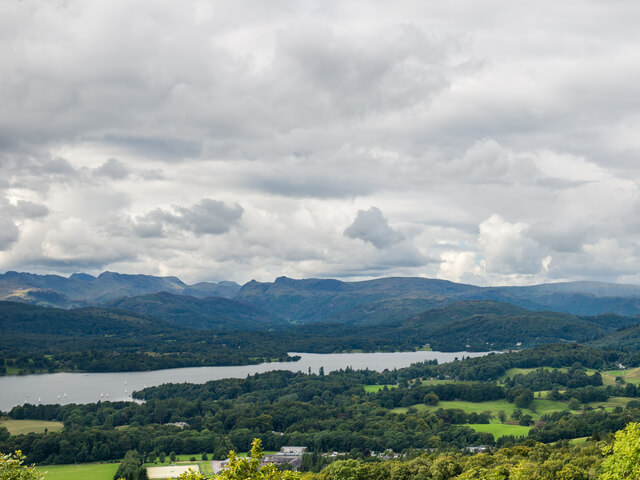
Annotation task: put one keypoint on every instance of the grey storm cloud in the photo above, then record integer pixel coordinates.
(207, 217)
(371, 226)
(29, 209)
(112, 168)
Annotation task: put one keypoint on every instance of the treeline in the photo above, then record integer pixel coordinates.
(405, 397)
(591, 423)
(544, 379)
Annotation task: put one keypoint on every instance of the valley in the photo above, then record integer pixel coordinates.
(190, 374)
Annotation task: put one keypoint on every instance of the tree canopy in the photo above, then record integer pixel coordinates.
(12, 468)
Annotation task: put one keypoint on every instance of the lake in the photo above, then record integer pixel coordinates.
(66, 388)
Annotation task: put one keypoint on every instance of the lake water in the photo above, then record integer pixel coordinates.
(66, 388)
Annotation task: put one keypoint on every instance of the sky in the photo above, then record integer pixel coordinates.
(493, 143)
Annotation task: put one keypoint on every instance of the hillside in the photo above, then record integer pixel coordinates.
(478, 325)
(204, 313)
(627, 339)
(20, 318)
(313, 300)
(36, 339)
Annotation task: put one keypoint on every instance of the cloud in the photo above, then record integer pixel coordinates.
(9, 232)
(460, 267)
(112, 168)
(473, 129)
(371, 226)
(506, 247)
(29, 209)
(76, 243)
(207, 217)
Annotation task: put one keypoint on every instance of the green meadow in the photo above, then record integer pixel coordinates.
(538, 407)
(500, 430)
(377, 388)
(86, 471)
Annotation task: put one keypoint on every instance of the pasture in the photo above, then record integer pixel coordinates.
(20, 427)
(377, 388)
(538, 407)
(500, 430)
(86, 471)
(631, 375)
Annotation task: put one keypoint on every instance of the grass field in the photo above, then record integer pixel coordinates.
(539, 407)
(87, 471)
(522, 371)
(631, 375)
(580, 440)
(19, 427)
(205, 468)
(612, 403)
(499, 430)
(376, 388)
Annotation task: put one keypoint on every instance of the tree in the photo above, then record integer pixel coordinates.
(12, 468)
(502, 416)
(525, 420)
(131, 467)
(250, 469)
(623, 462)
(431, 399)
(524, 399)
(574, 404)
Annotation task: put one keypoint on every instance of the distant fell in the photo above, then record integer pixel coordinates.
(81, 289)
(313, 300)
(391, 299)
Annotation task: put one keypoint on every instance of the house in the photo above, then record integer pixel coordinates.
(478, 449)
(290, 455)
(181, 425)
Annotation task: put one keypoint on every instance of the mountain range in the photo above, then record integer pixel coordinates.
(288, 301)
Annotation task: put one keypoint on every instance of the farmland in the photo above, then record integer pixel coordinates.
(19, 427)
(500, 430)
(87, 471)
